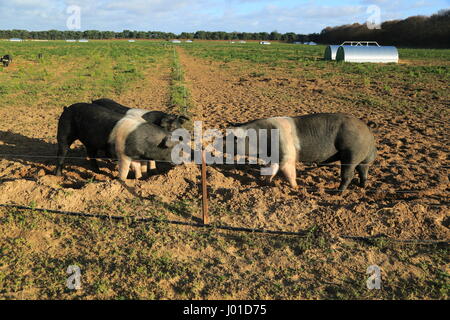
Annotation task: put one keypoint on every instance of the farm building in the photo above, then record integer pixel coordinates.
(264, 42)
(83, 40)
(71, 40)
(175, 41)
(15, 39)
(242, 41)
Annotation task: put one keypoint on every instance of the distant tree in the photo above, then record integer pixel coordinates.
(201, 35)
(416, 31)
(289, 37)
(186, 35)
(275, 35)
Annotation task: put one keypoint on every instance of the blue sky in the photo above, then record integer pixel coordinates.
(300, 16)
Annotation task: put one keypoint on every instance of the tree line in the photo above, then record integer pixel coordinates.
(129, 34)
(417, 31)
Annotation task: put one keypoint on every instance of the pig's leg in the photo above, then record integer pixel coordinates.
(362, 169)
(63, 147)
(150, 166)
(144, 168)
(347, 171)
(136, 166)
(92, 153)
(271, 171)
(288, 169)
(124, 167)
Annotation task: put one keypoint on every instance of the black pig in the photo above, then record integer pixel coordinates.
(6, 60)
(130, 138)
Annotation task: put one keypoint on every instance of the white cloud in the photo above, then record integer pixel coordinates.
(192, 15)
(143, 6)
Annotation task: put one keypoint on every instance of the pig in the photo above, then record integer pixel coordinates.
(129, 138)
(133, 139)
(320, 138)
(169, 122)
(6, 60)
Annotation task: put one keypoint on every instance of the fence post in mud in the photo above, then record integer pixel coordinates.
(204, 190)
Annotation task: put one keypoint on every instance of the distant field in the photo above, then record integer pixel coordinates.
(279, 52)
(73, 71)
(418, 68)
(406, 199)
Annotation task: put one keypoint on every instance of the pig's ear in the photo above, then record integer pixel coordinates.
(183, 119)
(236, 124)
(232, 124)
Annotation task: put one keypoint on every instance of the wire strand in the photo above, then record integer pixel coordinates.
(303, 234)
(304, 164)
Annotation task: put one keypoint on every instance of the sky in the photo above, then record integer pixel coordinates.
(299, 16)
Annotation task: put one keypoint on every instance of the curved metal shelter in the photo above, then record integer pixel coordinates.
(361, 51)
(330, 52)
(367, 53)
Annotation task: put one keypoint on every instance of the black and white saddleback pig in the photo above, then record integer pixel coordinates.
(129, 139)
(320, 138)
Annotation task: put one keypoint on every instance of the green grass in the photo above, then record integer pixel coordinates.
(425, 54)
(310, 58)
(179, 93)
(273, 55)
(72, 72)
(282, 52)
(119, 260)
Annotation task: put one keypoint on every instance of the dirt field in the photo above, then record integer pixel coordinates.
(406, 196)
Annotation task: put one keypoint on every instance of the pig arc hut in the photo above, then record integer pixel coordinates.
(330, 52)
(361, 51)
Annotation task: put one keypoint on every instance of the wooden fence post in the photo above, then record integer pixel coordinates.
(204, 191)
